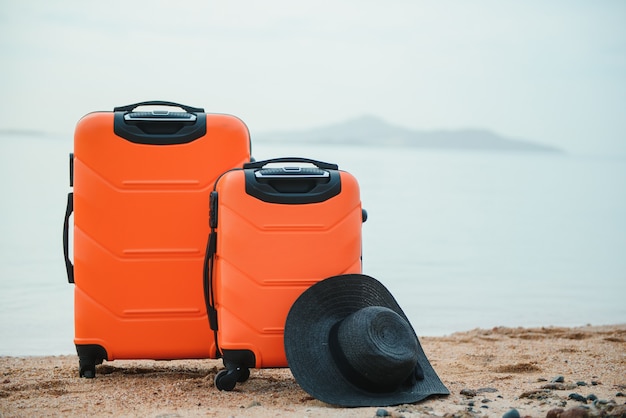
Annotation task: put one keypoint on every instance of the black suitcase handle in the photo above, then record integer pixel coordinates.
(159, 128)
(131, 107)
(66, 244)
(320, 164)
(66, 225)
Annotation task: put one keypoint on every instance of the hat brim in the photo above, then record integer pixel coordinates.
(306, 343)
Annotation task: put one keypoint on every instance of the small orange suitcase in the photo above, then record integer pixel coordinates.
(275, 232)
(141, 178)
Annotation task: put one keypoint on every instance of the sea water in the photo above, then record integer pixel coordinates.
(462, 239)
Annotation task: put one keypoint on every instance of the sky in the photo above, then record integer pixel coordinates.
(552, 71)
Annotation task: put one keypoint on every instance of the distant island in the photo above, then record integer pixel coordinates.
(21, 132)
(371, 130)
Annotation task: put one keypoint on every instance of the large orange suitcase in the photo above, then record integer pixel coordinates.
(142, 176)
(276, 230)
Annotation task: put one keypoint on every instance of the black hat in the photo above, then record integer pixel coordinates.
(348, 343)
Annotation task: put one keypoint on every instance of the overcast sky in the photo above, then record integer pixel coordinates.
(547, 71)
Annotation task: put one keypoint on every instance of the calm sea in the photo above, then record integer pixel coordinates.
(462, 239)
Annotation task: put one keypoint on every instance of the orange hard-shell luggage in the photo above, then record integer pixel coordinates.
(278, 226)
(141, 178)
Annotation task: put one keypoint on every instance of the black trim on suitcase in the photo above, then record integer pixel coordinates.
(292, 185)
(159, 127)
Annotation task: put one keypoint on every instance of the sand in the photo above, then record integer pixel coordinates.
(536, 371)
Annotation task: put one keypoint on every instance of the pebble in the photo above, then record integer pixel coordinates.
(487, 390)
(470, 393)
(558, 379)
(592, 397)
(577, 397)
(512, 413)
(382, 413)
(554, 413)
(581, 383)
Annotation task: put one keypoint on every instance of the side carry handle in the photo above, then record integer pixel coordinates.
(131, 107)
(66, 225)
(66, 244)
(320, 164)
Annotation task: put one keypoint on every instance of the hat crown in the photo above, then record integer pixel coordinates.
(377, 347)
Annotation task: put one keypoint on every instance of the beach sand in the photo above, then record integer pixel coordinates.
(539, 372)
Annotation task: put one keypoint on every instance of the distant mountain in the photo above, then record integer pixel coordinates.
(371, 130)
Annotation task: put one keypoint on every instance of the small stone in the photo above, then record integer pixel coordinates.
(595, 383)
(470, 393)
(581, 383)
(577, 397)
(382, 413)
(620, 394)
(558, 379)
(592, 397)
(512, 413)
(554, 413)
(485, 400)
(486, 390)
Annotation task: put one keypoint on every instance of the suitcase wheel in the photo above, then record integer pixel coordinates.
(89, 356)
(88, 372)
(244, 374)
(227, 379)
